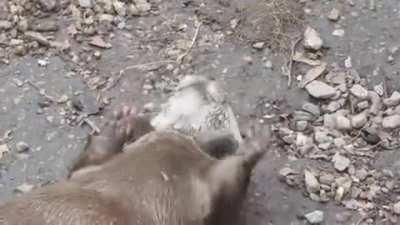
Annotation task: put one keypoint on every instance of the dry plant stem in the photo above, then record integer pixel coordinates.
(92, 125)
(292, 52)
(181, 57)
(41, 91)
(122, 72)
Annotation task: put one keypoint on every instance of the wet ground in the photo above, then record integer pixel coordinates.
(147, 46)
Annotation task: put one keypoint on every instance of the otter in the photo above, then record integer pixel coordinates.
(131, 174)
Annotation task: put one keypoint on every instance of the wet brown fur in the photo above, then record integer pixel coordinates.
(164, 178)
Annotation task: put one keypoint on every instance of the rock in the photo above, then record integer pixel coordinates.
(344, 182)
(301, 125)
(396, 208)
(321, 90)
(313, 74)
(340, 162)
(334, 106)
(330, 121)
(312, 39)
(23, 25)
(336, 77)
(334, 15)
(24, 188)
(315, 217)
(44, 25)
(391, 122)
(85, 3)
(302, 115)
(3, 150)
(119, 8)
(322, 136)
(361, 174)
(299, 57)
(376, 103)
(259, 45)
(370, 136)
(359, 91)
(393, 100)
(359, 120)
(338, 33)
(5, 25)
(22, 147)
(342, 123)
(143, 6)
(312, 108)
(99, 42)
(268, 64)
(312, 184)
(362, 105)
(339, 194)
(35, 36)
(48, 5)
(326, 178)
(43, 62)
(347, 62)
(97, 54)
(284, 172)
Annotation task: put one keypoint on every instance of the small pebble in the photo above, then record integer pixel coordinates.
(315, 217)
(22, 147)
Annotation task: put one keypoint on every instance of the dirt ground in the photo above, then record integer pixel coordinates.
(141, 69)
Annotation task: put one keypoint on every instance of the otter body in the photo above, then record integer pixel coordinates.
(163, 178)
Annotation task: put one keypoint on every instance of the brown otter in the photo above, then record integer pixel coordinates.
(163, 178)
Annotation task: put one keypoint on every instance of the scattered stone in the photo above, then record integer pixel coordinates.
(97, 41)
(97, 54)
(362, 105)
(312, 184)
(143, 6)
(347, 63)
(338, 33)
(376, 103)
(301, 125)
(22, 147)
(3, 150)
(5, 25)
(312, 39)
(299, 57)
(359, 120)
(48, 5)
(43, 62)
(361, 174)
(119, 7)
(259, 45)
(342, 123)
(334, 106)
(35, 36)
(359, 91)
(391, 122)
(44, 25)
(319, 89)
(393, 100)
(315, 217)
(396, 208)
(334, 15)
(85, 3)
(268, 64)
(23, 25)
(24, 188)
(326, 178)
(340, 162)
(339, 194)
(312, 108)
(313, 74)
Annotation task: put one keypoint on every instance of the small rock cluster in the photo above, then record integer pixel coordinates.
(30, 26)
(342, 127)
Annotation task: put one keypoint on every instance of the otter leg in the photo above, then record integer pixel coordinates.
(124, 127)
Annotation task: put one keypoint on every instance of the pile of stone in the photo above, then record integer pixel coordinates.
(30, 26)
(342, 128)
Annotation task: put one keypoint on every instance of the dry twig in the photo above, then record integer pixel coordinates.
(41, 91)
(196, 34)
(290, 63)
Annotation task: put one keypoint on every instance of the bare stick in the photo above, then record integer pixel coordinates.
(41, 91)
(292, 52)
(92, 125)
(137, 66)
(196, 34)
